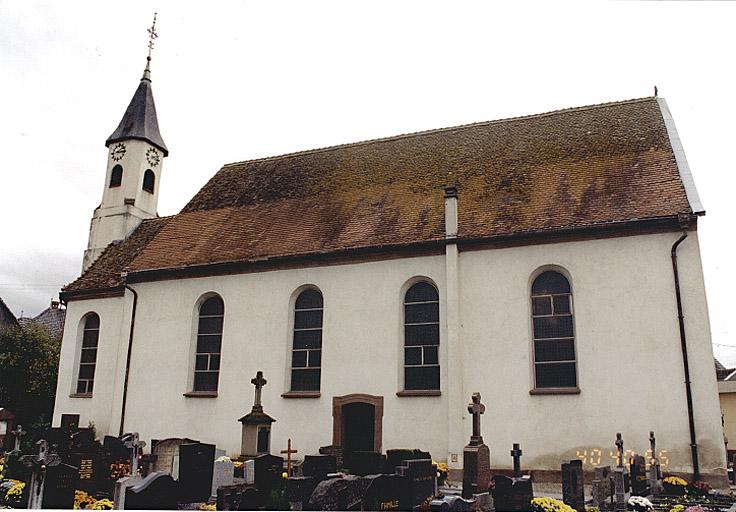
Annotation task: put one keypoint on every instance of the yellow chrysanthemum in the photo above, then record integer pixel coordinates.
(550, 505)
(673, 480)
(103, 505)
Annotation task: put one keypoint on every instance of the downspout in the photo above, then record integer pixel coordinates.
(127, 360)
(683, 343)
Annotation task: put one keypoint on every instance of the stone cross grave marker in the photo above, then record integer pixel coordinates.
(258, 381)
(38, 464)
(654, 474)
(18, 433)
(476, 455)
(516, 453)
(620, 448)
(135, 445)
(288, 453)
(620, 491)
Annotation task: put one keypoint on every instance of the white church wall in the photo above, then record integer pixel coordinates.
(629, 360)
(627, 340)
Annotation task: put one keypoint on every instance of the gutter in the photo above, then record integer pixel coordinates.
(127, 359)
(683, 344)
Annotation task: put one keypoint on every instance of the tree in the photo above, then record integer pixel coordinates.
(29, 364)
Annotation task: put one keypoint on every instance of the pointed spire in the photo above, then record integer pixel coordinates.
(140, 121)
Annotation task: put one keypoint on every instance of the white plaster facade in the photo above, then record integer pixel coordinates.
(629, 361)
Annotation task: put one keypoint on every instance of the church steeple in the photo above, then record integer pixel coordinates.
(134, 164)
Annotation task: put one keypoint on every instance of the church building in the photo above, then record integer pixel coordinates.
(549, 262)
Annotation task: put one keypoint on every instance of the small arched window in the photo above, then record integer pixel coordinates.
(421, 338)
(306, 355)
(116, 176)
(209, 343)
(88, 356)
(149, 181)
(554, 339)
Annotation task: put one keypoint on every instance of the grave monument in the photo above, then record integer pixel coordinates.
(476, 455)
(256, 425)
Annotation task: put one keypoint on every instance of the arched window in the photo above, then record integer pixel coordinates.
(149, 181)
(209, 342)
(306, 355)
(88, 356)
(421, 338)
(554, 339)
(116, 176)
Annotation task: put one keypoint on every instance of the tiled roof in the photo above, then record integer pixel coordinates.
(52, 319)
(104, 273)
(7, 318)
(582, 167)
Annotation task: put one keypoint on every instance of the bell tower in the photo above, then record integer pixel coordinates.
(134, 162)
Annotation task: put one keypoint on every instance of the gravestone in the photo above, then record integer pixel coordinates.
(344, 493)
(115, 450)
(121, 489)
(59, 486)
(397, 457)
(654, 473)
(223, 474)
(422, 478)
(364, 463)
(387, 492)
(196, 462)
(620, 479)
(318, 466)
(335, 451)
(267, 471)
(249, 471)
(158, 491)
(638, 475)
(38, 466)
(90, 466)
(298, 491)
(240, 497)
(476, 455)
(165, 450)
(512, 494)
(256, 425)
(451, 503)
(573, 492)
(601, 488)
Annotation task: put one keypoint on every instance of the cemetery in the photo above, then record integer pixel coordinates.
(71, 469)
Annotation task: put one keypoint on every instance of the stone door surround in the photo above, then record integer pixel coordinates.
(337, 424)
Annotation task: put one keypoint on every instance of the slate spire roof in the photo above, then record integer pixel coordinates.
(140, 121)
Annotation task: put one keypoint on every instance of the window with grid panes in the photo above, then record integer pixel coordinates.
(306, 355)
(209, 342)
(88, 357)
(554, 337)
(421, 338)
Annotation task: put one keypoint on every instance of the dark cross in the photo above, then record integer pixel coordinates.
(516, 453)
(476, 409)
(152, 35)
(258, 382)
(133, 442)
(38, 464)
(620, 448)
(18, 433)
(288, 453)
(653, 446)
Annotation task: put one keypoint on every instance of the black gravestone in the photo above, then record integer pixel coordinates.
(387, 492)
(318, 466)
(572, 484)
(338, 494)
(59, 486)
(267, 473)
(90, 468)
(422, 476)
(239, 497)
(196, 462)
(363, 463)
(638, 472)
(335, 451)
(512, 494)
(299, 489)
(158, 491)
(451, 504)
(395, 458)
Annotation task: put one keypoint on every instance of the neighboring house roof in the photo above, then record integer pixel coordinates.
(139, 120)
(52, 319)
(592, 167)
(722, 372)
(7, 318)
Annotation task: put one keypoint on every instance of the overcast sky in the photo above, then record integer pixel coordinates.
(237, 80)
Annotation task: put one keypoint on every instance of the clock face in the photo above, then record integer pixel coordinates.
(153, 157)
(117, 152)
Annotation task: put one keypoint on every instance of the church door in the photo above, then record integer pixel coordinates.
(358, 421)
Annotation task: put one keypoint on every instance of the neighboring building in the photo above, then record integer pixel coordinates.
(379, 284)
(727, 396)
(50, 319)
(7, 318)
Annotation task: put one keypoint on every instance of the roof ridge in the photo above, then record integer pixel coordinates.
(437, 130)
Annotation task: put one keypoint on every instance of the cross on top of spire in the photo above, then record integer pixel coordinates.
(152, 35)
